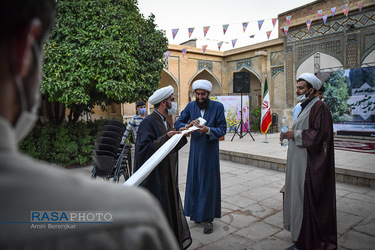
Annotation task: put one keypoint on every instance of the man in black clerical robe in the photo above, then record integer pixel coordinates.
(162, 182)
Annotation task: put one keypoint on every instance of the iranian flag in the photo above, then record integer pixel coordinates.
(266, 110)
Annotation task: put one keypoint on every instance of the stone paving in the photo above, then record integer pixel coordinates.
(252, 210)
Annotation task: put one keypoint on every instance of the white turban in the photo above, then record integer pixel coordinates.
(202, 84)
(312, 79)
(160, 95)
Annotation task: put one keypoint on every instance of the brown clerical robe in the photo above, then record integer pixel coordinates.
(310, 197)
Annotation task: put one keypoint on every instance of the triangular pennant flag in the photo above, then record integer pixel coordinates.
(360, 5)
(308, 23)
(205, 30)
(219, 44)
(234, 42)
(204, 47)
(286, 28)
(260, 23)
(345, 9)
(166, 55)
(288, 20)
(325, 18)
(274, 20)
(174, 32)
(244, 26)
(191, 30)
(269, 34)
(333, 11)
(183, 52)
(252, 36)
(320, 13)
(225, 27)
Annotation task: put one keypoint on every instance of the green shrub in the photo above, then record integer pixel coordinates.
(256, 123)
(67, 144)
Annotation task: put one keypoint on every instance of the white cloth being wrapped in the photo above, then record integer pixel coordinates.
(159, 155)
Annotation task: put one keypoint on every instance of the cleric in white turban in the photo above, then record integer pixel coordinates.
(153, 134)
(312, 79)
(160, 95)
(310, 172)
(203, 190)
(202, 84)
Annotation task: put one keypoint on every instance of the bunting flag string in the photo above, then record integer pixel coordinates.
(166, 55)
(205, 30)
(308, 23)
(274, 20)
(320, 13)
(269, 34)
(183, 52)
(260, 23)
(234, 42)
(288, 20)
(225, 27)
(333, 11)
(174, 32)
(190, 30)
(244, 26)
(219, 44)
(204, 47)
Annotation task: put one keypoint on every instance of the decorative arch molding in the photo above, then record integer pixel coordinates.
(209, 72)
(204, 64)
(275, 71)
(245, 68)
(252, 71)
(332, 47)
(244, 63)
(172, 76)
(330, 63)
(367, 44)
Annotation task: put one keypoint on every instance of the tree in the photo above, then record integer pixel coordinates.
(336, 94)
(360, 76)
(100, 52)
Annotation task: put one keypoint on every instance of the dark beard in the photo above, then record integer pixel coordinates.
(203, 105)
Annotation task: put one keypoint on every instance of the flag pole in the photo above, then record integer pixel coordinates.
(266, 111)
(265, 140)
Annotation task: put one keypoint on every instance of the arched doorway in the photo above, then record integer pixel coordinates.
(255, 95)
(319, 62)
(166, 80)
(206, 75)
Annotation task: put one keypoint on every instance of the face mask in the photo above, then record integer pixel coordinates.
(27, 119)
(173, 109)
(142, 111)
(303, 98)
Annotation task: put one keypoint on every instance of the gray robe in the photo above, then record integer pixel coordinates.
(310, 199)
(295, 175)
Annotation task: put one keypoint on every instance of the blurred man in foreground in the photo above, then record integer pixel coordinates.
(45, 207)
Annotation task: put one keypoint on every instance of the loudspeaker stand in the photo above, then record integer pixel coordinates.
(240, 127)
